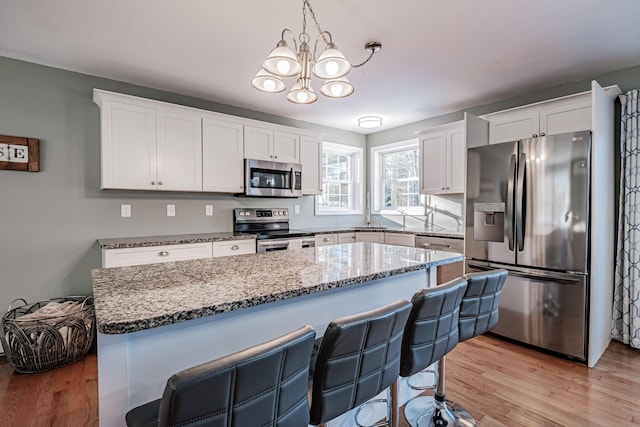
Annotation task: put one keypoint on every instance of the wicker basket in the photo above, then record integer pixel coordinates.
(36, 345)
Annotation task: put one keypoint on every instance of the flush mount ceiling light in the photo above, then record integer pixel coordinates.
(331, 65)
(369, 122)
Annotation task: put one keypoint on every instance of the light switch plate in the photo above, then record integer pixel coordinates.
(208, 210)
(171, 210)
(296, 209)
(125, 211)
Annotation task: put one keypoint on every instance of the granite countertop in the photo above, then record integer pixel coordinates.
(134, 298)
(435, 231)
(136, 242)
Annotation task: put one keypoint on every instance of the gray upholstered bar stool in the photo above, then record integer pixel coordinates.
(358, 358)
(478, 314)
(265, 385)
(430, 333)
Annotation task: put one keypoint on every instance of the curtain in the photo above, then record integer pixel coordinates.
(626, 303)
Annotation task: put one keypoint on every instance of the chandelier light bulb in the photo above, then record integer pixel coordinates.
(267, 82)
(337, 88)
(283, 67)
(269, 85)
(331, 68)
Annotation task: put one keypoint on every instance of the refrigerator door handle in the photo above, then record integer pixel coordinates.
(521, 200)
(510, 188)
(560, 278)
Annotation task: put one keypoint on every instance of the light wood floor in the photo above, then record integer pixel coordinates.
(501, 383)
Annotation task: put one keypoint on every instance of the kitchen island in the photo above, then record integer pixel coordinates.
(154, 320)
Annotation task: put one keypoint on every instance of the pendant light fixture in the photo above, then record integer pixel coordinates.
(331, 65)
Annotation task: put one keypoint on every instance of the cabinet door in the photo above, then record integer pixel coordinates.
(370, 236)
(456, 161)
(258, 143)
(515, 125)
(432, 168)
(311, 158)
(286, 147)
(128, 146)
(400, 239)
(564, 118)
(222, 156)
(179, 145)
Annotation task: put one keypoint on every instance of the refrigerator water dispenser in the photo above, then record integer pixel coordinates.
(488, 222)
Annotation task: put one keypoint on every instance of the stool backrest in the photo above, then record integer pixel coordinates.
(479, 308)
(359, 357)
(432, 327)
(265, 385)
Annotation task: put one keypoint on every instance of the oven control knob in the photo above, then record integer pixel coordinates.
(283, 212)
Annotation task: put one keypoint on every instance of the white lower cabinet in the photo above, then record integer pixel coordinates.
(325, 239)
(400, 239)
(370, 236)
(155, 254)
(346, 237)
(234, 247)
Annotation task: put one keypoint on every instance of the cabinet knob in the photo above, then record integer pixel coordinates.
(275, 157)
(153, 183)
(535, 135)
(542, 134)
(326, 239)
(163, 253)
(159, 182)
(235, 247)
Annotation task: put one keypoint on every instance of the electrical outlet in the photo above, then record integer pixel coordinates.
(296, 209)
(171, 210)
(208, 210)
(125, 211)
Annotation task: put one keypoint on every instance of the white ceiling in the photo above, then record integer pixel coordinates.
(437, 56)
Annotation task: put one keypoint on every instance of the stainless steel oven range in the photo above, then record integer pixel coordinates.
(271, 226)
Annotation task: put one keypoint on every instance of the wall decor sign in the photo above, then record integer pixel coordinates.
(19, 153)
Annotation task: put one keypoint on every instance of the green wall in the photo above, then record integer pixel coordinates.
(50, 220)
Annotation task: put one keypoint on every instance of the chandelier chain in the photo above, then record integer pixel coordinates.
(307, 4)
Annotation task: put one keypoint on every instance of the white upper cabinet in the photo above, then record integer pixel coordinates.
(274, 146)
(148, 148)
(128, 148)
(442, 155)
(311, 158)
(568, 114)
(179, 151)
(222, 156)
(286, 147)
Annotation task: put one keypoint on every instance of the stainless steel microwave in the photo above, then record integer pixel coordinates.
(272, 179)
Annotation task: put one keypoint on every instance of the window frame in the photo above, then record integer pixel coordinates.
(377, 178)
(357, 179)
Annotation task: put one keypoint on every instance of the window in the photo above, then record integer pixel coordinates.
(341, 180)
(396, 178)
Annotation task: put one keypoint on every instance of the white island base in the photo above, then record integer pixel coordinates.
(133, 368)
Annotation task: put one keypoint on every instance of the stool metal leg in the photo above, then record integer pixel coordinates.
(447, 413)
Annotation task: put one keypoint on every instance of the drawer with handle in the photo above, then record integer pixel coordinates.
(155, 254)
(234, 247)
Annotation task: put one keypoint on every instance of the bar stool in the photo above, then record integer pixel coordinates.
(430, 333)
(478, 314)
(358, 357)
(265, 385)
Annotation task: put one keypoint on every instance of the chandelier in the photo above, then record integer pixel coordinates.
(331, 65)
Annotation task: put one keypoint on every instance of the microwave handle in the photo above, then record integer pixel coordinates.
(293, 178)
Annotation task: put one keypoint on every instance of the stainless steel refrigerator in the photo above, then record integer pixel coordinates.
(527, 210)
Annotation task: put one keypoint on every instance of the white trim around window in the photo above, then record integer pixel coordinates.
(342, 181)
(377, 178)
